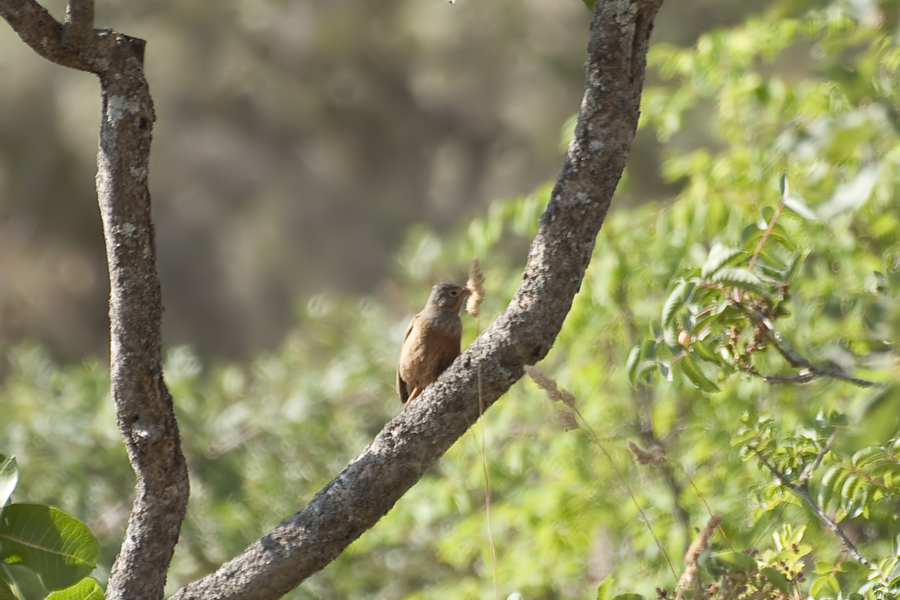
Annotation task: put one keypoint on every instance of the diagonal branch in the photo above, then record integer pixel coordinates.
(144, 410)
(372, 483)
(808, 371)
(801, 491)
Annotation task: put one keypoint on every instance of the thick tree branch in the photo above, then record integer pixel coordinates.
(369, 486)
(67, 45)
(78, 28)
(144, 410)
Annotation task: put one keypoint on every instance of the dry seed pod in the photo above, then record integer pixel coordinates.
(546, 383)
(567, 419)
(653, 456)
(475, 285)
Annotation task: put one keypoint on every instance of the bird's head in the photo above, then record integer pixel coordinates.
(447, 296)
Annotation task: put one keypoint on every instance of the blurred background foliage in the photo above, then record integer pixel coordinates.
(809, 89)
(296, 144)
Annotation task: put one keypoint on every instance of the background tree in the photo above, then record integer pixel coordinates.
(300, 144)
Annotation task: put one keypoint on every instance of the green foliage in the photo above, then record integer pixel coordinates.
(44, 552)
(688, 298)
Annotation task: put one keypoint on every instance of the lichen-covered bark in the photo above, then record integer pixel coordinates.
(369, 486)
(144, 410)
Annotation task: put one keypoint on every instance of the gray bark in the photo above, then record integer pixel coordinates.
(144, 410)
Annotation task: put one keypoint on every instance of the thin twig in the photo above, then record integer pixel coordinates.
(795, 359)
(596, 439)
(808, 470)
(487, 491)
(475, 286)
(651, 440)
(699, 495)
(801, 492)
(762, 240)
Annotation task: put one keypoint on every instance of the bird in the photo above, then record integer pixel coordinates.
(431, 343)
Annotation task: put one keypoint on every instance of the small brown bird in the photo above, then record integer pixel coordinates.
(432, 341)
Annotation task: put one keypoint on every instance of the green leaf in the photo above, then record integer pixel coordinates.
(719, 256)
(880, 416)
(645, 370)
(852, 195)
(631, 364)
(793, 265)
(743, 562)
(86, 589)
(673, 303)
(590, 4)
(828, 485)
(882, 469)
(6, 589)
(696, 376)
(705, 352)
(850, 487)
(819, 586)
(23, 582)
(749, 232)
(605, 589)
(798, 204)
(741, 279)
(58, 547)
(776, 578)
(9, 477)
(868, 455)
(664, 369)
(779, 234)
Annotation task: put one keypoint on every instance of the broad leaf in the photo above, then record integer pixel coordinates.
(26, 584)
(56, 546)
(86, 589)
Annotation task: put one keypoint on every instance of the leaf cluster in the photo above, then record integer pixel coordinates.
(44, 552)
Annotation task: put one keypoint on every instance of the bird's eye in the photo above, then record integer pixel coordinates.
(454, 293)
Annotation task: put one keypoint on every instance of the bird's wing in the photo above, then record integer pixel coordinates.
(401, 385)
